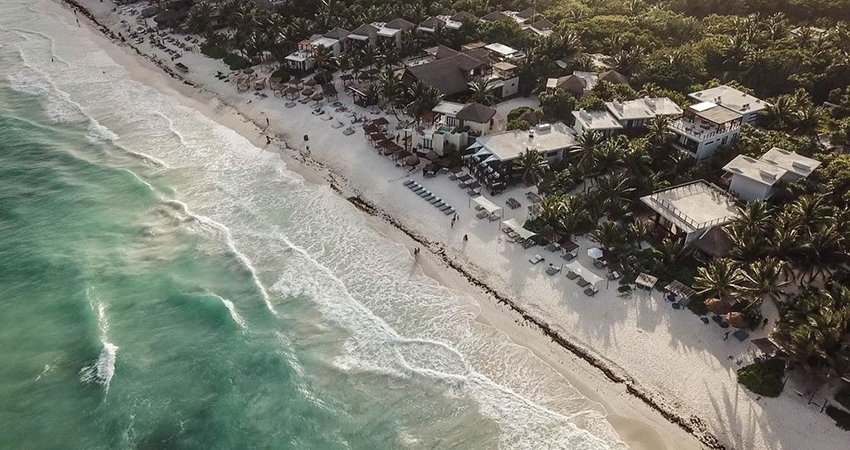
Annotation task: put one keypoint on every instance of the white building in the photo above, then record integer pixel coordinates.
(394, 32)
(758, 179)
(552, 141)
(302, 59)
(705, 127)
(728, 97)
(688, 211)
(600, 121)
(455, 124)
(637, 113)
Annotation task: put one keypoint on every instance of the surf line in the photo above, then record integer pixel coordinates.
(692, 425)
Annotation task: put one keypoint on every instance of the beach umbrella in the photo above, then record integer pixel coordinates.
(310, 82)
(317, 97)
(307, 92)
(412, 161)
(594, 252)
(716, 306)
(737, 320)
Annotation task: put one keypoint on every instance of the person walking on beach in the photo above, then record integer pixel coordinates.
(453, 222)
(726, 336)
(764, 323)
(267, 122)
(465, 238)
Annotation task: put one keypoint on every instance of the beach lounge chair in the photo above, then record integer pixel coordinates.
(449, 211)
(553, 247)
(440, 204)
(569, 256)
(741, 335)
(591, 291)
(528, 243)
(482, 214)
(434, 200)
(536, 259)
(417, 188)
(429, 197)
(582, 282)
(423, 193)
(614, 275)
(348, 131)
(572, 275)
(409, 182)
(553, 269)
(494, 217)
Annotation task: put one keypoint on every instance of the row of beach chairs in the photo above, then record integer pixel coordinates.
(438, 203)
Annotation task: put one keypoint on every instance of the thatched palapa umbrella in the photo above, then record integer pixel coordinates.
(737, 320)
(412, 161)
(717, 306)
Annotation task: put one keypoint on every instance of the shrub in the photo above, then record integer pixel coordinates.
(763, 378)
(518, 124)
(213, 51)
(843, 397)
(841, 418)
(516, 113)
(236, 62)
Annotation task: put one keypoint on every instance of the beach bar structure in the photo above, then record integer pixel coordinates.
(688, 211)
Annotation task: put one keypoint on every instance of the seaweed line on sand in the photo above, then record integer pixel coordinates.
(692, 425)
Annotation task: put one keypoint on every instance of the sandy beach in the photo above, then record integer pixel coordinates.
(664, 379)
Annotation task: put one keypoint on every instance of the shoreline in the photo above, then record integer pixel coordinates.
(316, 172)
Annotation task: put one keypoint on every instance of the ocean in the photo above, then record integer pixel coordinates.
(166, 284)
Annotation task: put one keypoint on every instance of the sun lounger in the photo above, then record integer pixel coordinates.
(528, 243)
(614, 275)
(741, 335)
(409, 182)
(434, 200)
(423, 193)
(449, 211)
(428, 197)
(582, 282)
(348, 131)
(494, 217)
(417, 188)
(482, 214)
(553, 247)
(590, 292)
(536, 259)
(440, 204)
(552, 270)
(445, 208)
(569, 256)
(572, 275)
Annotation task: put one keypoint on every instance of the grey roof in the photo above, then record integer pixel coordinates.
(431, 22)
(526, 13)
(755, 169)
(612, 76)
(572, 83)
(463, 16)
(791, 161)
(399, 24)
(476, 112)
(445, 75)
(715, 243)
(337, 33)
(714, 113)
(496, 16)
(445, 52)
(366, 29)
(543, 25)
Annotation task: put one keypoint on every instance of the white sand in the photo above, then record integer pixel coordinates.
(681, 362)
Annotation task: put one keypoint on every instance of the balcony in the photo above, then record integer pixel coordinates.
(700, 130)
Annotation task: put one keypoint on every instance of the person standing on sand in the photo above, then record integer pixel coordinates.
(726, 336)
(267, 122)
(465, 238)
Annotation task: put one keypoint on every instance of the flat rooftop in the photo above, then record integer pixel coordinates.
(714, 113)
(731, 98)
(755, 169)
(790, 161)
(596, 120)
(325, 42)
(501, 49)
(509, 145)
(693, 206)
(448, 108)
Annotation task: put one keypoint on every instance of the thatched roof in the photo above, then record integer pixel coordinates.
(463, 16)
(572, 83)
(715, 243)
(612, 76)
(338, 33)
(476, 112)
(399, 24)
(496, 16)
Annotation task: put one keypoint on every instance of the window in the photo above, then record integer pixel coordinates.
(428, 143)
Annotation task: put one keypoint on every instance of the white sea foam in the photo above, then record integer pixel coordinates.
(234, 314)
(102, 370)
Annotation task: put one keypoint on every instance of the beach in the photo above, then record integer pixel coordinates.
(635, 356)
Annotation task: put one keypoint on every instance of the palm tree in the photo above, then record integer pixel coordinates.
(657, 132)
(812, 329)
(425, 98)
(721, 278)
(532, 166)
(391, 88)
(552, 209)
(639, 230)
(754, 217)
(585, 149)
(810, 212)
(609, 234)
(670, 252)
(614, 191)
(481, 92)
(765, 279)
(324, 58)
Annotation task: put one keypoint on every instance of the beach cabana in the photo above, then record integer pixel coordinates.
(487, 205)
(585, 273)
(518, 229)
(329, 90)
(291, 91)
(646, 281)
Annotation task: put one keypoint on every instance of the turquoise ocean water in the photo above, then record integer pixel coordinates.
(165, 284)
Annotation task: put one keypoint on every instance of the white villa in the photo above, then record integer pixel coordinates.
(601, 121)
(394, 32)
(455, 124)
(302, 59)
(552, 141)
(757, 179)
(689, 211)
(705, 127)
(637, 113)
(730, 98)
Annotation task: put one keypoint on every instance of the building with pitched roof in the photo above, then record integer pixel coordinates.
(453, 123)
